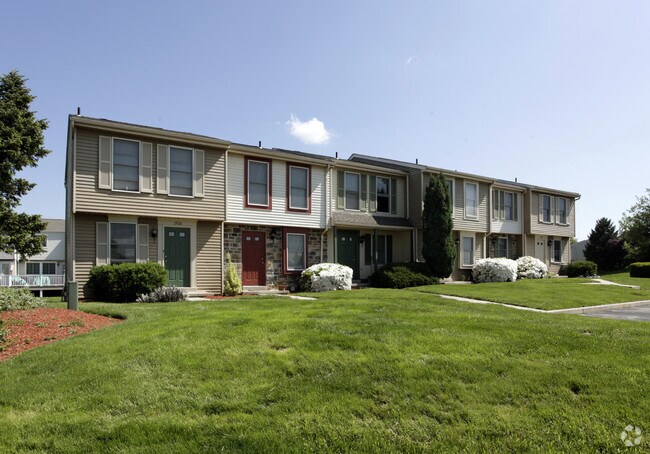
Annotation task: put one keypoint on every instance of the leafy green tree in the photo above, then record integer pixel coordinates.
(437, 228)
(604, 247)
(21, 146)
(635, 229)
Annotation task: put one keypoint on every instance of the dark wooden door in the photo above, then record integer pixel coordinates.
(347, 250)
(253, 258)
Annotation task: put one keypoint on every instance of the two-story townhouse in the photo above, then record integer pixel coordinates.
(137, 193)
(550, 225)
(276, 214)
(42, 271)
(369, 217)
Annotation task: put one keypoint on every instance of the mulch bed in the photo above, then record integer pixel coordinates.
(35, 327)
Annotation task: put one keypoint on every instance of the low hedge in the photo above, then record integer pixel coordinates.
(14, 299)
(640, 269)
(580, 268)
(124, 282)
(402, 275)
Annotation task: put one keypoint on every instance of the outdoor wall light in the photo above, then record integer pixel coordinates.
(457, 242)
(154, 233)
(550, 242)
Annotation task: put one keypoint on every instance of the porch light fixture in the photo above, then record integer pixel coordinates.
(154, 233)
(457, 242)
(550, 242)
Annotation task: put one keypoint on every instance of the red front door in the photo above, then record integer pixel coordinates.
(253, 258)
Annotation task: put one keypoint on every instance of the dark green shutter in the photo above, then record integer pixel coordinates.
(389, 248)
(364, 193)
(373, 193)
(340, 183)
(393, 196)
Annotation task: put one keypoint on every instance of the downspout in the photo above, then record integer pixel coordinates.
(524, 215)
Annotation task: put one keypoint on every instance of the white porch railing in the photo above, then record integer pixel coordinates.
(32, 280)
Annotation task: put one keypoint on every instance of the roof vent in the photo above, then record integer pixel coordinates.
(416, 160)
(259, 144)
(78, 111)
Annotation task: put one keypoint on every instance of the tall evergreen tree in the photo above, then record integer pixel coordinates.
(21, 146)
(635, 229)
(604, 246)
(437, 227)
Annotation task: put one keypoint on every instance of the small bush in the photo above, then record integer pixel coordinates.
(324, 277)
(162, 295)
(13, 299)
(123, 282)
(580, 268)
(531, 268)
(494, 270)
(233, 282)
(402, 275)
(640, 269)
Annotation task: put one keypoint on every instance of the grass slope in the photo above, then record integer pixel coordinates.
(368, 371)
(544, 294)
(623, 277)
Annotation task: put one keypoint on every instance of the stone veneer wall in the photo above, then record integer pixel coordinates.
(274, 277)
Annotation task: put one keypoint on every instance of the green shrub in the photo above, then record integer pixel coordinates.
(124, 282)
(640, 269)
(580, 268)
(162, 295)
(13, 299)
(402, 275)
(233, 282)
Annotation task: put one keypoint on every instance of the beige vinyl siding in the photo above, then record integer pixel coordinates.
(209, 262)
(536, 227)
(400, 195)
(85, 248)
(278, 215)
(89, 198)
(530, 245)
(509, 227)
(471, 225)
(152, 223)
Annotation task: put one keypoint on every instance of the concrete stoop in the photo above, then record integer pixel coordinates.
(262, 290)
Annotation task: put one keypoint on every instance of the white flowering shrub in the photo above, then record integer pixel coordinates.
(531, 268)
(494, 270)
(324, 277)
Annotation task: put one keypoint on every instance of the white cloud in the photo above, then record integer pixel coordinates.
(312, 132)
(410, 59)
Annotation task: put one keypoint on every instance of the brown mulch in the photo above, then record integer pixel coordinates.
(35, 327)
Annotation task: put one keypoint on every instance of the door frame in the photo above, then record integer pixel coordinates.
(160, 241)
(357, 269)
(254, 232)
(189, 246)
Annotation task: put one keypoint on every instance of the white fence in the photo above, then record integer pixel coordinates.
(33, 280)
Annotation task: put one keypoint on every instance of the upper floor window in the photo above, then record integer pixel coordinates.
(258, 189)
(557, 251)
(180, 171)
(561, 210)
(545, 207)
(352, 190)
(383, 195)
(298, 187)
(471, 200)
(126, 165)
(504, 205)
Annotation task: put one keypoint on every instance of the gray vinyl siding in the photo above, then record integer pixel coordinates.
(85, 249)
(209, 262)
(471, 225)
(89, 198)
(535, 226)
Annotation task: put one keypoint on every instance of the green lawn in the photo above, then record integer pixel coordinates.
(624, 278)
(362, 371)
(544, 294)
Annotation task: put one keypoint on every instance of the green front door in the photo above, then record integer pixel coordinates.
(177, 256)
(347, 250)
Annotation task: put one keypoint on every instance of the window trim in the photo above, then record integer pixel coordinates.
(135, 248)
(554, 242)
(476, 185)
(541, 208)
(462, 263)
(345, 190)
(169, 170)
(269, 181)
(387, 195)
(566, 211)
(113, 165)
(286, 231)
(288, 198)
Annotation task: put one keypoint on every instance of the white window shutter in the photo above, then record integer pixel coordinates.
(163, 169)
(143, 243)
(101, 236)
(105, 162)
(199, 173)
(145, 167)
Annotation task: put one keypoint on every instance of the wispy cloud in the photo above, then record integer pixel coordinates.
(312, 132)
(410, 59)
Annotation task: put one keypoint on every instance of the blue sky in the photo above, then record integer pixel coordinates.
(554, 93)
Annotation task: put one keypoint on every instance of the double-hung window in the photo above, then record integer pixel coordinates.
(467, 251)
(501, 247)
(384, 249)
(561, 210)
(298, 188)
(295, 250)
(259, 183)
(557, 251)
(123, 242)
(545, 202)
(352, 190)
(33, 268)
(504, 205)
(383, 195)
(126, 165)
(471, 200)
(181, 171)
(48, 268)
